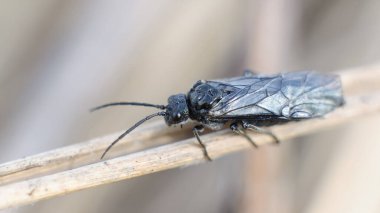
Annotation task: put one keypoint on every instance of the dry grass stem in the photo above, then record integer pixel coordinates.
(77, 167)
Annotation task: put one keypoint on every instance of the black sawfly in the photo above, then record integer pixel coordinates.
(247, 102)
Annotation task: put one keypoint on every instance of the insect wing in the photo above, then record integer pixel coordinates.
(293, 95)
(244, 95)
(318, 95)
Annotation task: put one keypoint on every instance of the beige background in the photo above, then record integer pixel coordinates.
(60, 58)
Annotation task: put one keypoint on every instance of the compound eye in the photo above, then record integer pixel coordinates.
(178, 115)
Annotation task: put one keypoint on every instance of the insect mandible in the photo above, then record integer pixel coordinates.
(248, 102)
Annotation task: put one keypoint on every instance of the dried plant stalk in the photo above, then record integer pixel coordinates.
(176, 154)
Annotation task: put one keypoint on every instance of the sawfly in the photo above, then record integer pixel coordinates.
(249, 102)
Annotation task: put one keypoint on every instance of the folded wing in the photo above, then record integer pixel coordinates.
(295, 95)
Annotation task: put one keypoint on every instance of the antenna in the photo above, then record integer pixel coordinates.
(128, 103)
(130, 130)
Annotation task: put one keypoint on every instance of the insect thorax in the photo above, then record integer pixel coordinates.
(201, 98)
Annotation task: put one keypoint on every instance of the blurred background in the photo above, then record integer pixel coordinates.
(60, 58)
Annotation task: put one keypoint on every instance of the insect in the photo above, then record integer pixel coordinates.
(247, 102)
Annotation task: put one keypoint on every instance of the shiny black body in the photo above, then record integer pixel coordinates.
(250, 101)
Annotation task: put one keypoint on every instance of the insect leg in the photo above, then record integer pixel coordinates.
(235, 128)
(196, 130)
(250, 126)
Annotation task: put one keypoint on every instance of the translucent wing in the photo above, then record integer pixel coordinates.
(295, 95)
